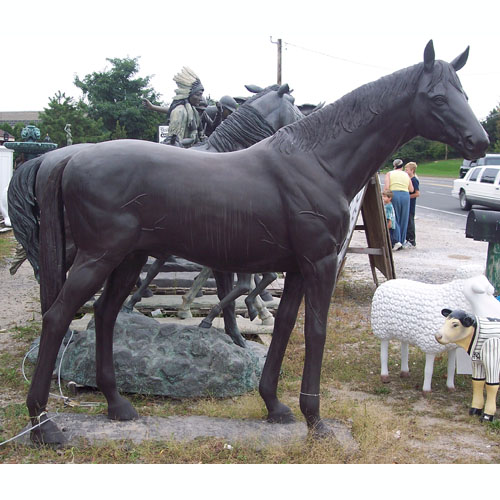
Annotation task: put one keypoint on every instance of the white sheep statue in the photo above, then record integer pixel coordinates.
(410, 311)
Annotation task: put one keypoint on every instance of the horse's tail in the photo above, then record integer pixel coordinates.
(52, 237)
(24, 211)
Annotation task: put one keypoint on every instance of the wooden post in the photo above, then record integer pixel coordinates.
(279, 61)
(279, 44)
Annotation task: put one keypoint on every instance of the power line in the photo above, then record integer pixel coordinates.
(335, 57)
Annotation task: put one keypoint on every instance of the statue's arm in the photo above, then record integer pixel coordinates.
(153, 107)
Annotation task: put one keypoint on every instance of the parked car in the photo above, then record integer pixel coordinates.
(466, 166)
(489, 159)
(480, 186)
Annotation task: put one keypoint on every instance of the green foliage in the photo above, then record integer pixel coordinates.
(492, 127)
(62, 110)
(420, 149)
(115, 96)
(119, 132)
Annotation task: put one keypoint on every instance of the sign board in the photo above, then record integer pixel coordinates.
(162, 133)
(354, 209)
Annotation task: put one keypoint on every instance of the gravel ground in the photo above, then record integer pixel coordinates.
(442, 254)
(19, 298)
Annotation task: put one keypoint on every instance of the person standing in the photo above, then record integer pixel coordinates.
(410, 169)
(401, 186)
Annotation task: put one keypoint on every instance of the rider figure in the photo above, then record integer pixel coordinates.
(213, 116)
(185, 121)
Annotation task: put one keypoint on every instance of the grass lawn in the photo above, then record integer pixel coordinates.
(7, 245)
(441, 168)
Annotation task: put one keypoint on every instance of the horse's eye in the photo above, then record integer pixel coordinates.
(439, 100)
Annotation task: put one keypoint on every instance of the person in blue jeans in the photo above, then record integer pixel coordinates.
(401, 186)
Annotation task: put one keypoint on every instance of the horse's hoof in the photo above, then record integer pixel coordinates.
(127, 308)
(283, 415)
(184, 314)
(252, 313)
(48, 434)
(320, 431)
(252, 310)
(123, 410)
(404, 374)
(269, 321)
(147, 293)
(205, 324)
(451, 389)
(238, 339)
(385, 379)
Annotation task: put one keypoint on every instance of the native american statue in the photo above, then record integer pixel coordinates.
(185, 122)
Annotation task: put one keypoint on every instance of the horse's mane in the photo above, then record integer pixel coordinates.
(351, 111)
(242, 128)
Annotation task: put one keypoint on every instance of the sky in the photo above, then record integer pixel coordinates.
(330, 47)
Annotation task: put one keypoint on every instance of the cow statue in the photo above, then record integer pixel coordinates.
(480, 337)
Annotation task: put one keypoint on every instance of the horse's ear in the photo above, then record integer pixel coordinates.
(445, 312)
(429, 56)
(460, 61)
(284, 89)
(254, 89)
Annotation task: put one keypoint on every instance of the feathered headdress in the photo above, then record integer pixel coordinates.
(187, 84)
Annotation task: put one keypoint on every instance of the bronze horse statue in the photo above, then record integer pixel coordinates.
(280, 205)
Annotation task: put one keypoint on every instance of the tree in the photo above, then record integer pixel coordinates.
(492, 127)
(62, 110)
(115, 96)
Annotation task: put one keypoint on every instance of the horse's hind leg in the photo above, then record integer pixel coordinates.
(251, 299)
(84, 280)
(283, 326)
(106, 308)
(141, 291)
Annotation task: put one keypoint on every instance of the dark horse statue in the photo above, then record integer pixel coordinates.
(280, 205)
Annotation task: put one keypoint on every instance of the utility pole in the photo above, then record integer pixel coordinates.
(279, 44)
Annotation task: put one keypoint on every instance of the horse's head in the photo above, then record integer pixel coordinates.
(441, 111)
(277, 107)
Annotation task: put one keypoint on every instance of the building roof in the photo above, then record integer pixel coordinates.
(13, 117)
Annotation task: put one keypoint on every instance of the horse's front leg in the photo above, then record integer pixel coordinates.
(283, 326)
(319, 281)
